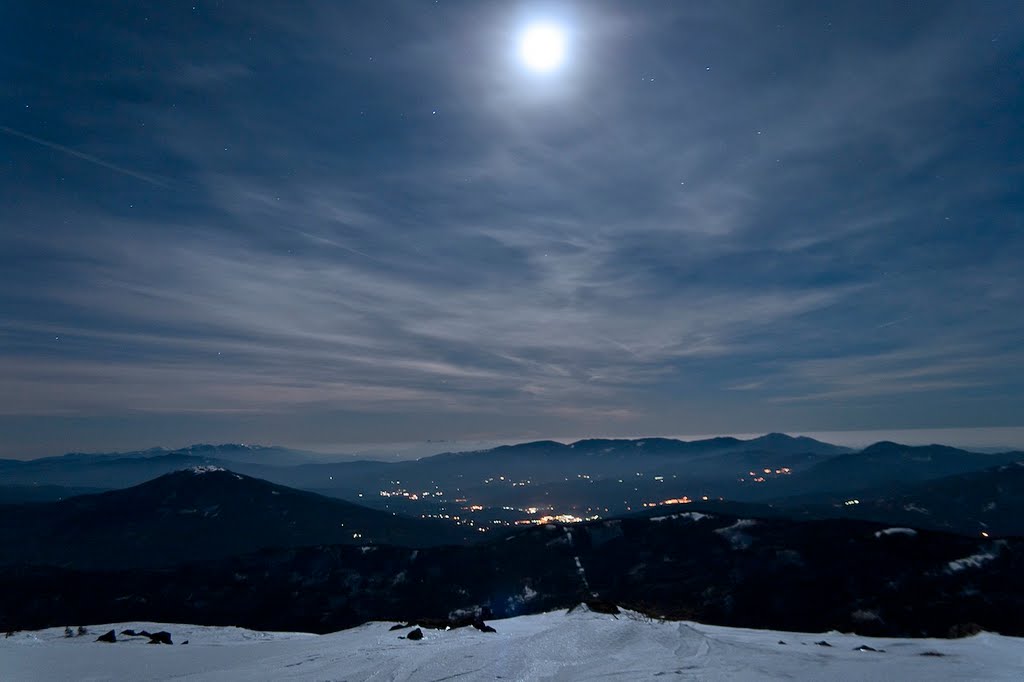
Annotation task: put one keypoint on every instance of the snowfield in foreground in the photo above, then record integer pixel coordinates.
(555, 646)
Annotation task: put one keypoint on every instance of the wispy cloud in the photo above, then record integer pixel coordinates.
(402, 220)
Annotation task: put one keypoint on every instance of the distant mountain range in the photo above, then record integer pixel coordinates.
(123, 469)
(214, 546)
(989, 501)
(793, 476)
(229, 452)
(607, 458)
(16, 494)
(200, 513)
(886, 462)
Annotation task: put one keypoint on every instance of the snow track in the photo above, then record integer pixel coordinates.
(579, 564)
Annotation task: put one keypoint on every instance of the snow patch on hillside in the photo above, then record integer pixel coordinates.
(975, 560)
(692, 516)
(205, 469)
(516, 601)
(735, 534)
(896, 531)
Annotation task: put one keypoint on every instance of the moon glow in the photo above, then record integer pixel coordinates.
(542, 47)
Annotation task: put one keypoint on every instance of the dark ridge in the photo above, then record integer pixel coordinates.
(800, 576)
(199, 513)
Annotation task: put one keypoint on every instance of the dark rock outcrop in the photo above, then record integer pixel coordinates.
(161, 637)
(964, 630)
(109, 637)
(602, 606)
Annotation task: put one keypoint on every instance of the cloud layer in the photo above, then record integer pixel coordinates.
(362, 221)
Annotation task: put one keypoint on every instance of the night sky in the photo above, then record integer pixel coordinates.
(326, 223)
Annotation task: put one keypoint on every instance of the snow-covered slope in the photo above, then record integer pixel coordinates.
(555, 646)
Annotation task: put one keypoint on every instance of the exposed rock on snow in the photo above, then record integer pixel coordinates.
(162, 637)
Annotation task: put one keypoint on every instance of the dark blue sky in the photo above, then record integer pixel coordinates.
(342, 222)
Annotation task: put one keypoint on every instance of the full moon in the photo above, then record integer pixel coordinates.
(542, 47)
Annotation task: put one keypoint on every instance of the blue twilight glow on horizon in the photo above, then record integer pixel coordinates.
(380, 221)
